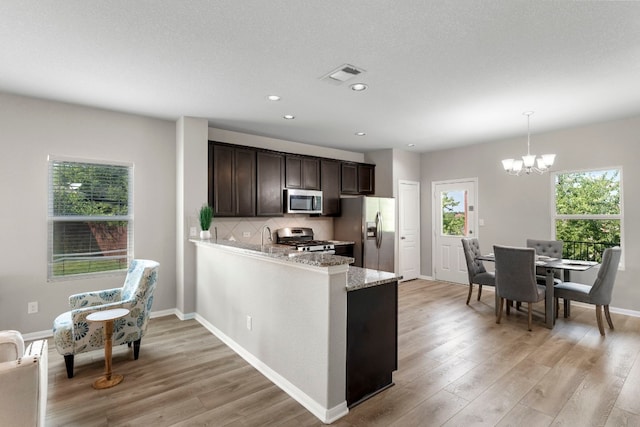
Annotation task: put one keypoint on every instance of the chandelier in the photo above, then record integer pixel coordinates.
(529, 163)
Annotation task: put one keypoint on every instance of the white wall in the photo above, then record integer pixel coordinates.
(298, 321)
(517, 208)
(230, 137)
(383, 159)
(31, 130)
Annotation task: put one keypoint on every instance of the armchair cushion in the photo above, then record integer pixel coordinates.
(11, 345)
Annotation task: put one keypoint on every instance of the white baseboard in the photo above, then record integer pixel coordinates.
(326, 415)
(173, 311)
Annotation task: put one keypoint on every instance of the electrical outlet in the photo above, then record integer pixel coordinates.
(249, 323)
(193, 231)
(246, 234)
(32, 307)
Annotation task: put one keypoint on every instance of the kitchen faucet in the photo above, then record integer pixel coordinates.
(266, 228)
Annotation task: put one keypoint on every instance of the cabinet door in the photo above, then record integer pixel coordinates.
(293, 172)
(232, 180)
(270, 178)
(302, 172)
(245, 182)
(349, 178)
(372, 340)
(330, 179)
(366, 179)
(221, 184)
(310, 174)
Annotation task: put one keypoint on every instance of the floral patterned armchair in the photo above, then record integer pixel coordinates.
(73, 334)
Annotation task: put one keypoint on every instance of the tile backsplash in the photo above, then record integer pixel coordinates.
(249, 229)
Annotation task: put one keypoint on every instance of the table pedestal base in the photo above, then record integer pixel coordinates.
(106, 382)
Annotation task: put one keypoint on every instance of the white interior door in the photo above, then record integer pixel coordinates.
(454, 217)
(409, 229)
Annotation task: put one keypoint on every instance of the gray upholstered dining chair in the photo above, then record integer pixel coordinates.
(516, 278)
(475, 268)
(551, 249)
(599, 293)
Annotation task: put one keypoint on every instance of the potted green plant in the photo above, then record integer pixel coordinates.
(206, 216)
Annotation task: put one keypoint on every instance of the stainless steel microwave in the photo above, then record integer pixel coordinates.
(303, 201)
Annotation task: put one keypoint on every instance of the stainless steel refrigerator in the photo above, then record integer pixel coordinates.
(369, 222)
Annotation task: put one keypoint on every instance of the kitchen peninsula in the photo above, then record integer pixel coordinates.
(324, 332)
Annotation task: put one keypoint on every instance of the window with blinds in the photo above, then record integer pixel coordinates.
(90, 217)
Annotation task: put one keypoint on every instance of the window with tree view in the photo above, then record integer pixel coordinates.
(588, 212)
(454, 213)
(90, 217)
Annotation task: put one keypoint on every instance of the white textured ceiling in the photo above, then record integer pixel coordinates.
(440, 73)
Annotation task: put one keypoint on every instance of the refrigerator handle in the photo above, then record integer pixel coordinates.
(378, 230)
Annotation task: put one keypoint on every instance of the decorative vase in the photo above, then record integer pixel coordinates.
(205, 234)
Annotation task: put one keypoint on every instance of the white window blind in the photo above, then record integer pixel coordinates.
(90, 217)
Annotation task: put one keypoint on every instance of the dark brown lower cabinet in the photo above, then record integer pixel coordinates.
(372, 341)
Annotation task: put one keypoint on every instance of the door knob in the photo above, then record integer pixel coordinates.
(402, 238)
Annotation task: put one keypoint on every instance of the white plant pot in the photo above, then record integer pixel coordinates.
(205, 234)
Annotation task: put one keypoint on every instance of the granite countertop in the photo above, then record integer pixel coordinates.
(360, 278)
(281, 252)
(357, 278)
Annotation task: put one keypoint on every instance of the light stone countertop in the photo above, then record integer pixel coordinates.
(357, 278)
(281, 252)
(360, 278)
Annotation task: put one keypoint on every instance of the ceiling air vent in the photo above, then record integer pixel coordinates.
(342, 74)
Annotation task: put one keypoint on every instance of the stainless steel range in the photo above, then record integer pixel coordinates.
(301, 238)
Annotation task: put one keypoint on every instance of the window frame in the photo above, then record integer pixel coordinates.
(52, 219)
(555, 216)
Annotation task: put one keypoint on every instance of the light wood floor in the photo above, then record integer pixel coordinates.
(456, 368)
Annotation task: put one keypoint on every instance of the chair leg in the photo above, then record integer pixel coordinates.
(518, 305)
(566, 307)
(509, 304)
(530, 312)
(479, 292)
(136, 349)
(608, 316)
(557, 306)
(599, 319)
(500, 310)
(68, 362)
(470, 290)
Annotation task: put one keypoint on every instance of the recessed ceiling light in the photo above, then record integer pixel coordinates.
(288, 117)
(411, 145)
(360, 133)
(358, 87)
(273, 98)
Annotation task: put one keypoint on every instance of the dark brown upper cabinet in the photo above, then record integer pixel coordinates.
(302, 172)
(247, 182)
(358, 178)
(330, 186)
(232, 180)
(270, 179)
(366, 179)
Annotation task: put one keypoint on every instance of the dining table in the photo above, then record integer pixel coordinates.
(551, 265)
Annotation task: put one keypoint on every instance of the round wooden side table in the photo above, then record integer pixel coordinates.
(109, 379)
